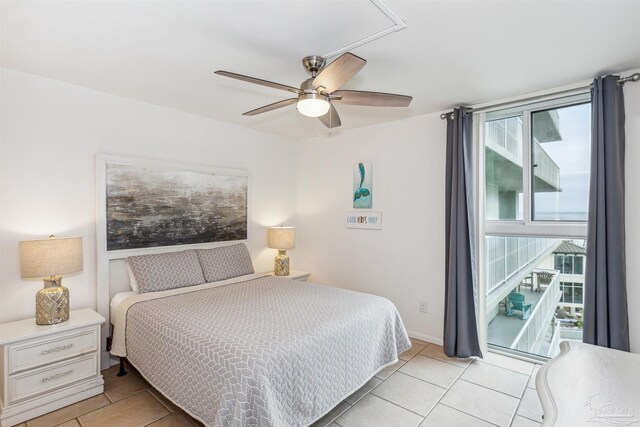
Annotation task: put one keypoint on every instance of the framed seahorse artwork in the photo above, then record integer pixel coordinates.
(362, 185)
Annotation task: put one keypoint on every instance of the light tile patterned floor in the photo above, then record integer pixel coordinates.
(126, 401)
(425, 388)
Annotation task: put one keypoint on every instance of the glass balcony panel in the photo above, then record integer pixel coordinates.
(529, 266)
(503, 160)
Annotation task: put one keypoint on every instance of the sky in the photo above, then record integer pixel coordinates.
(572, 155)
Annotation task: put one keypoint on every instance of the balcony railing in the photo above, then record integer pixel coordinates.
(545, 168)
(571, 334)
(554, 346)
(508, 255)
(538, 322)
(504, 136)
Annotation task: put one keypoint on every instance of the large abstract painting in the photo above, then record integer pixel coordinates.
(362, 185)
(154, 207)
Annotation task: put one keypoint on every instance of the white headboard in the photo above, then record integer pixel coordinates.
(112, 276)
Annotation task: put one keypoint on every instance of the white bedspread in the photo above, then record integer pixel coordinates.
(258, 351)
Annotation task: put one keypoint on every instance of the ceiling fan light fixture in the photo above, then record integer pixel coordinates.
(313, 104)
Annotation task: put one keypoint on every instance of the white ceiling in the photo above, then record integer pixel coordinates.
(452, 52)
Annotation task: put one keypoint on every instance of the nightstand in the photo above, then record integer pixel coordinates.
(296, 275)
(44, 368)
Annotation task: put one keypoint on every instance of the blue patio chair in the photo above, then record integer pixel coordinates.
(516, 302)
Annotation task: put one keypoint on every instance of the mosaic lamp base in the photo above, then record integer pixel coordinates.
(281, 265)
(52, 302)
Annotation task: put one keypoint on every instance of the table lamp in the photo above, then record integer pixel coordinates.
(281, 238)
(48, 258)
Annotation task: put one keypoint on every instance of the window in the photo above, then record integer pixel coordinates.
(537, 167)
(577, 265)
(571, 292)
(561, 162)
(569, 264)
(536, 161)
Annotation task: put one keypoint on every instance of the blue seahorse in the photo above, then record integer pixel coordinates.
(361, 191)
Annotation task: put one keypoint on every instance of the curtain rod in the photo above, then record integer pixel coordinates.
(632, 78)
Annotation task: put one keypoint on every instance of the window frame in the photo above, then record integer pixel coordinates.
(573, 286)
(562, 264)
(526, 226)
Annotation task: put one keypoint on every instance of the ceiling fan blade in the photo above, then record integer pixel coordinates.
(271, 107)
(331, 119)
(372, 99)
(259, 81)
(334, 75)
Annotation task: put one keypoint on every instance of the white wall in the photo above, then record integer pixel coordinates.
(51, 132)
(405, 260)
(632, 208)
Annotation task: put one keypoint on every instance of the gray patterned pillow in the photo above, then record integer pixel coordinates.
(166, 271)
(225, 262)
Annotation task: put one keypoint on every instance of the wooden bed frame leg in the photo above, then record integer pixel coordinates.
(122, 372)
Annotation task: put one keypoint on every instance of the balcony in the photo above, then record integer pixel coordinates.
(504, 152)
(528, 335)
(546, 171)
(510, 260)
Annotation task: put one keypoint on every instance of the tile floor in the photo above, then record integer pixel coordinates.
(425, 388)
(127, 401)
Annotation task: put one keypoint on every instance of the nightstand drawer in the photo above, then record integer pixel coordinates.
(32, 383)
(63, 346)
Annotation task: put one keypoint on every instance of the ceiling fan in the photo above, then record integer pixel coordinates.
(316, 95)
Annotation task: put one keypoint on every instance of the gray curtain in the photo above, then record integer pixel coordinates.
(460, 329)
(605, 304)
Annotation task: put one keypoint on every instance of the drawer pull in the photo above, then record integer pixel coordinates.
(57, 376)
(56, 349)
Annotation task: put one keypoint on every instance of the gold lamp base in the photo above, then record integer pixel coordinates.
(281, 265)
(52, 302)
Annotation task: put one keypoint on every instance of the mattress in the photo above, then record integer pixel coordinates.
(258, 351)
(116, 300)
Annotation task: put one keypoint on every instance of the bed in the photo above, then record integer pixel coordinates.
(257, 350)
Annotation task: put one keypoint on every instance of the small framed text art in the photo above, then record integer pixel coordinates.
(362, 185)
(365, 220)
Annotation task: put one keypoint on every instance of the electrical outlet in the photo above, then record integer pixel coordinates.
(423, 306)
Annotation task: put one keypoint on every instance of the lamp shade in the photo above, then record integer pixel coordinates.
(50, 257)
(281, 237)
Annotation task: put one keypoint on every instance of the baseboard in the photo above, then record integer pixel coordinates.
(424, 337)
(113, 360)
